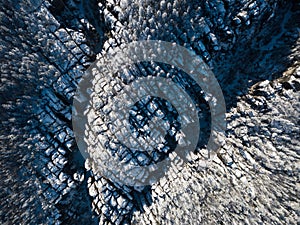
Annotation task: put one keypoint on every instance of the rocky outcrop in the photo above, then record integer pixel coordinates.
(253, 49)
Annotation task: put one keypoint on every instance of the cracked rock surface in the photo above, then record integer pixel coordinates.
(253, 49)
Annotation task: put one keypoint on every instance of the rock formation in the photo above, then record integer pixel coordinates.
(252, 46)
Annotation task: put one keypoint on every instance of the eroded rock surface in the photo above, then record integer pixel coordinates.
(253, 49)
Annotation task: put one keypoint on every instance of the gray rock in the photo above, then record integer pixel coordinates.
(44, 53)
